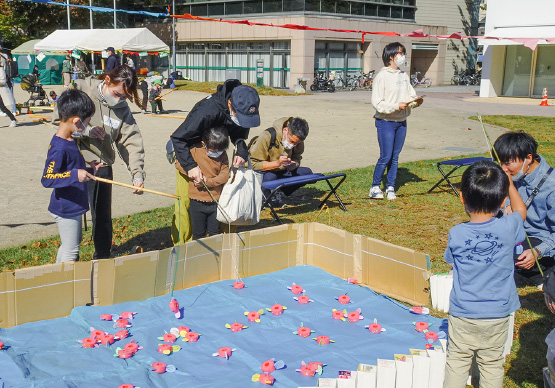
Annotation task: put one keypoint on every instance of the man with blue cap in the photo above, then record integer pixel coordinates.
(234, 107)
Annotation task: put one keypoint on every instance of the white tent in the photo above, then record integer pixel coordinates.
(128, 39)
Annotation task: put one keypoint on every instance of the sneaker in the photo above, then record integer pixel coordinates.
(390, 193)
(143, 111)
(375, 192)
(13, 123)
(2, 114)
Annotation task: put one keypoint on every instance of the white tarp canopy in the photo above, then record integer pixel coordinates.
(128, 39)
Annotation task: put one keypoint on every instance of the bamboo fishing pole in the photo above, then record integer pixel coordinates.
(104, 180)
(162, 95)
(499, 161)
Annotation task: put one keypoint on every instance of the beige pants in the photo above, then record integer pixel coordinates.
(181, 223)
(480, 338)
(67, 79)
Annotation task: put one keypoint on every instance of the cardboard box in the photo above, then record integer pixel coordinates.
(386, 374)
(347, 379)
(367, 376)
(327, 382)
(53, 290)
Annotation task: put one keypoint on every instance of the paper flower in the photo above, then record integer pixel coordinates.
(179, 331)
(169, 338)
(420, 310)
(338, 314)
(174, 308)
(191, 337)
(238, 285)
(354, 316)
(254, 316)
(263, 378)
(344, 299)
(121, 334)
(128, 315)
(271, 365)
(296, 289)
(87, 342)
(375, 327)
(122, 353)
(303, 331)
(323, 340)
(352, 281)
(277, 309)
(303, 299)
(105, 317)
(421, 326)
(121, 323)
(224, 352)
(235, 327)
(311, 368)
(132, 347)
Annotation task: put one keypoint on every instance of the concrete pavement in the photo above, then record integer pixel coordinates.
(342, 136)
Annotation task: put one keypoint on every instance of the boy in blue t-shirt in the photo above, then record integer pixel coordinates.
(484, 291)
(65, 171)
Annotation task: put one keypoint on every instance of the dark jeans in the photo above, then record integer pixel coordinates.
(278, 174)
(100, 201)
(156, 103)
(6, 110)
(391, 138)
(533, 274)
(203, 219)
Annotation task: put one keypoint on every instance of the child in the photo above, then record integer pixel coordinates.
(53, 97)
(65, 172)
(484, 292)
(213, 162)
(154, 93)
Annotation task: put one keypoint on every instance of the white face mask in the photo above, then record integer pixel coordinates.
(519, 175)
(400, 60)
(214, 154)
(287, 145)
(234, 119)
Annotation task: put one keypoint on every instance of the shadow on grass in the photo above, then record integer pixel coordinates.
(525, 368)
(153, 240)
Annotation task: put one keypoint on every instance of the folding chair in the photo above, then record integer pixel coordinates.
(457, 163)
(277, 184)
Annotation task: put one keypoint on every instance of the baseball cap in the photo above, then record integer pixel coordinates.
(245, 101)
(111, 49)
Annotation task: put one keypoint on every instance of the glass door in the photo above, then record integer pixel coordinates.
(518, 67)
(545, 70)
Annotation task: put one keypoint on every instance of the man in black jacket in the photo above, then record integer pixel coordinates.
(113, 60)
(235, 107)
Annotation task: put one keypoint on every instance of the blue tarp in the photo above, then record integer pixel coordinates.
(47, 354)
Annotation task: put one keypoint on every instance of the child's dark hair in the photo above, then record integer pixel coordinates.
(75, 103)
(216, 139)
(484, 187)
(297, 127)
(390, 51)
(52, 93)
(515, 145)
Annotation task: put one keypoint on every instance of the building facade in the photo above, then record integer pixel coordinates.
(214, 51)
(510, 68)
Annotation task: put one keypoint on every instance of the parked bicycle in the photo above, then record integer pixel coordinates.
(416, 79)
(337, 78)
(322, 83)
(467, 77)
(362, 81)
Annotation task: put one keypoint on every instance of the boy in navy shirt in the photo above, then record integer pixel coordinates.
(65, 171)
(484, 292)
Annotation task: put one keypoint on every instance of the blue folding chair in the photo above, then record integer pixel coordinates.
(277, 184)
(456, 163)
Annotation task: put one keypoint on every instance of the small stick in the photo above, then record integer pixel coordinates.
(104, 180)
(168, 116)
(162, 95)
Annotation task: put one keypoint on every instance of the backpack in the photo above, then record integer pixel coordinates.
(273, 142)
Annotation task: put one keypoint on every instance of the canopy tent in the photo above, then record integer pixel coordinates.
(529, 36)
(124, 39)
(50, 66)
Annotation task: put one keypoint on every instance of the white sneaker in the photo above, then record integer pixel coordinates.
(376, 193)
(390, 193)
(2, 114)
(13, 123)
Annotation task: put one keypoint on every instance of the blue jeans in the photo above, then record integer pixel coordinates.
(278, 174)
(391, 137)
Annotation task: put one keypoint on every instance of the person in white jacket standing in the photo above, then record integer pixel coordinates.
(393, 97)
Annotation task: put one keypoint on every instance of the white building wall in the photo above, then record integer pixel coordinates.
(509, 13)
(453, 14)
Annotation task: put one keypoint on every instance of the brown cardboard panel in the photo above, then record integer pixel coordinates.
(103, 282)
(268, 250)
(7, 299)
(134, 277)
(393, 270)
(82, 291)
(332, 250)
(160, 284)
(44, 292)
(203, 262)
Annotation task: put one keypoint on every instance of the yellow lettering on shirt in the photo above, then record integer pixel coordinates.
(59, 175)
(50, 169)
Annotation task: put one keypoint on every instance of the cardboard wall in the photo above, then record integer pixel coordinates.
(52, 290)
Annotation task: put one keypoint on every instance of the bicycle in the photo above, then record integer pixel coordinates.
(336, 76)
(426, 82)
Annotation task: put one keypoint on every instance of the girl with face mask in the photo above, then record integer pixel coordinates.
(393, 97)
(212, 160)
(112, 130)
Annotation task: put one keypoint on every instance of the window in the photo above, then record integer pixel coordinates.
(272, 5)
(312, 5)
(384, 11)
(328, 6)
(216, 9)
(253, 6)
(408, 13)
(396, 12)
(343, 7)
(293, 5)
(370, 10)
(199, 10)
(357, 8)
(233, 8)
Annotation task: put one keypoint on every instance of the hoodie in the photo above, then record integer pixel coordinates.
(389, 88)
(121, 131)
(209, 112)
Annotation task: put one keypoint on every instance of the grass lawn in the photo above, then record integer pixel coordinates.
(210, 87)
(416, 220)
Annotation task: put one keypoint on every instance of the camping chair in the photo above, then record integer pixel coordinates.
(456, 163)
(277, 184)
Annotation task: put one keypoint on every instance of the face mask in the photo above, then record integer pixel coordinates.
(234, 119)
(287, 145)
(400, 60)
(519, 175)
(108, 97)
(214, 154)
